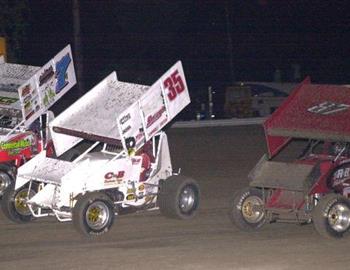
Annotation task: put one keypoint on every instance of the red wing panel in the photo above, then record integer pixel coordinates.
(311, 111)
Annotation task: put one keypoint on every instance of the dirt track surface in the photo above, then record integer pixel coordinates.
(220, 159)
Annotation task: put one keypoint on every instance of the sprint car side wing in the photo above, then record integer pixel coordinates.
(47, 85)
(167, 97)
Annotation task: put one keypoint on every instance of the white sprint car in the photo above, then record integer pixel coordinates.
(126, 167)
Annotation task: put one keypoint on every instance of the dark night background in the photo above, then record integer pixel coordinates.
(142, 39)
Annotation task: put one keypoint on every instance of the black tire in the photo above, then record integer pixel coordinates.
(93, 214)
(6, 179)
(179, 197)
(242, 214)
(13, 206)
(331, 216)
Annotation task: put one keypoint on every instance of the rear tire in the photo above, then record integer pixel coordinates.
(247, 209)
(14, 205)
(331, 216)
(93, 214)
(179, 197)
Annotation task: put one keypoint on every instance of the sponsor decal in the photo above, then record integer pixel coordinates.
(153, 131)
(13, 148)
(128, 128)
(15, 145)
(341, 175)
(7, 100)
(27, 98)
(328, 107)
(130, 197)
(114, 178)
(46, 76)
(28, 105)
(153, 118)
(28, 115)
(26, 90)
(61, 70)
(49, 96)
(125, 119)
(141, 187)
(140, 136)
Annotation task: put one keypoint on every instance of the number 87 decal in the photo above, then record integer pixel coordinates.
(174, 84)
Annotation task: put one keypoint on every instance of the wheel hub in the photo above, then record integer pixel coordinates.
(187, 199)
(97, 215)
(339, 217)
(21, 198)
(252, 209)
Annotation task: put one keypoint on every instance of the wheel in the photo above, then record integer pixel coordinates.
(179, 197)
(14, 204)
(331, 216)
(247, 209)
(5, 181)
(93, 214)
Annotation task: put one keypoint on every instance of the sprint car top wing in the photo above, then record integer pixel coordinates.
(124, 113)
(93, 116)
(311, 111)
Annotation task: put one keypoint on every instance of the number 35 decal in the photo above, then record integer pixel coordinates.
(174, 84)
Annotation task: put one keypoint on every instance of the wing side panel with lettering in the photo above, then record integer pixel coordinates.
(167, 97)
(47, 86)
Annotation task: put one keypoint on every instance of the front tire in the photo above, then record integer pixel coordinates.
(14, 204)
(331, 216)
(247, 209)
(179, 197)
(93, 214)
(5, 181)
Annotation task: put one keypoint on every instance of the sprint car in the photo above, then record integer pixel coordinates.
(126, 168)
(305, 176)
(26, 94)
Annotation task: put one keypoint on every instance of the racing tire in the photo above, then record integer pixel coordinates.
(93, 214)
(5, 180)
(179, 197)
(242, 212)
(331, 216)
(13, 204)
